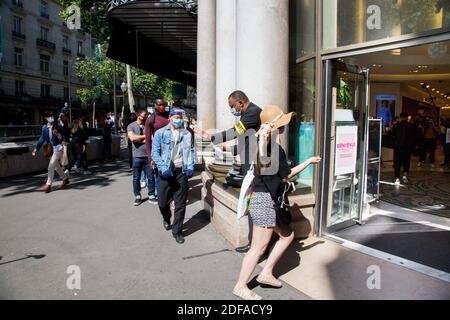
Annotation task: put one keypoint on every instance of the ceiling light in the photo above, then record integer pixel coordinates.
(433, 89)
(428, 86)
(438, 91)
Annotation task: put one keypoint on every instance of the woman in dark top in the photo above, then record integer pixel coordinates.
(272, 173)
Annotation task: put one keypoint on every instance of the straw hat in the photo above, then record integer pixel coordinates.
(274, 117)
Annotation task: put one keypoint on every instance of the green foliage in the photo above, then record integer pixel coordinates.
(93, 16)
(344, 94)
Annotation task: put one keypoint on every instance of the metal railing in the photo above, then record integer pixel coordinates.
(191, 6)
(13, 131)
(46, 44)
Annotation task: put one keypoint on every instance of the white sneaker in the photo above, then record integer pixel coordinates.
(75, 169)
(397, 182)
(143, 184)
(405, 179)
(66, 172)
(87, 173)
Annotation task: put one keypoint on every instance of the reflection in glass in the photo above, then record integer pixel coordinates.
(302, 131)
(303, 25)
(347, 22)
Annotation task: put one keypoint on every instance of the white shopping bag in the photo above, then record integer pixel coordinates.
(245, 194)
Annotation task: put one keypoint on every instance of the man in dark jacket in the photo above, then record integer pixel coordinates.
(403, 135)
(240, 106)
(250, 121)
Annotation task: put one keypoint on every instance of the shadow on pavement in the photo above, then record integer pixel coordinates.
(196, 223)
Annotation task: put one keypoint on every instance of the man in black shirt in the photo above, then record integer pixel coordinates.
(240, 106)
(249, 123)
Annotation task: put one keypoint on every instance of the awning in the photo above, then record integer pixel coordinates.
(158, 36)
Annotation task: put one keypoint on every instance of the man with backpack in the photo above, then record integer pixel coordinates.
(156, 120)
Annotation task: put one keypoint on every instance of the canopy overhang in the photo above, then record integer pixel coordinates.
(158, 36)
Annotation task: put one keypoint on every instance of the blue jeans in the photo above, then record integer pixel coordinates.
(140, 165)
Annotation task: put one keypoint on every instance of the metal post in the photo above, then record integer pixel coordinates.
(70, 93)
(115, 97)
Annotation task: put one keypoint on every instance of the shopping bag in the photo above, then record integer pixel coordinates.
(245, 194)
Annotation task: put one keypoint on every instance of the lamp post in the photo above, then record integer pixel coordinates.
(115, 97)
(124, 88)
(69, 89)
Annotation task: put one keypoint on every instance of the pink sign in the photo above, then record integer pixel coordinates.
(346, 150)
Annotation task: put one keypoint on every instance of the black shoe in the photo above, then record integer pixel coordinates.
(179, 238)
(243, 249)
(137, 201)
(167, 225)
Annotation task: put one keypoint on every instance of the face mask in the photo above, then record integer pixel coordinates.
(178, 123)
(281, 130)
(235, 113)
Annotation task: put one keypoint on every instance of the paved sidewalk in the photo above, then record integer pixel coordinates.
(123, 252)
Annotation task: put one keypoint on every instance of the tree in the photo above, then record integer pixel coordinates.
(93, 16)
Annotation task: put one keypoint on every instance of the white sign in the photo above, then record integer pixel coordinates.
(346, 150)
(447, 140)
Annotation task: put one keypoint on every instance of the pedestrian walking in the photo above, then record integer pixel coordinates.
(51, 139)
(268, 203)
(140, 159)
(403, 134)
(173, 153)
(79, 146)
(158, 118)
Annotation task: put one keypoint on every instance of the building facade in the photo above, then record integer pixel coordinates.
(39, 52)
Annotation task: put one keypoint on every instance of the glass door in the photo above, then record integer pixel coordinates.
(345, 136)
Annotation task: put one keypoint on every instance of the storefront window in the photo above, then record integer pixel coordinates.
(347, 22)
(303, 26)
(302, 129)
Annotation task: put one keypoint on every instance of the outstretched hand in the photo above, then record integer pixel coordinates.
(315, 159)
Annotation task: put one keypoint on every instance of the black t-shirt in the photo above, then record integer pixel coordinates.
(250, 120)
(271, 183)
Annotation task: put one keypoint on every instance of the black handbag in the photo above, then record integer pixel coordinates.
(281, 204)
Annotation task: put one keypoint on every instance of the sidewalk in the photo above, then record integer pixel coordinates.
(123, 252)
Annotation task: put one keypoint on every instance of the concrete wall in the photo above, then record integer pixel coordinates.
(13, 165)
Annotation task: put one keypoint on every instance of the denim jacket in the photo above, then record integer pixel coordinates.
(163, 145)
(57, 137)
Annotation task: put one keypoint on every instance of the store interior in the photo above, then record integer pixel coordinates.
(414, 215)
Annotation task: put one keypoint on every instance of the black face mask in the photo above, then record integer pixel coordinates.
(281, 130)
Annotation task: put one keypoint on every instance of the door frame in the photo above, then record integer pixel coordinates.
(329, 67)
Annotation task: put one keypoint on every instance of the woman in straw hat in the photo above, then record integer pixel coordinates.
(271, 174)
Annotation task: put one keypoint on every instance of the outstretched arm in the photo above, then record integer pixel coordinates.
(296, 170)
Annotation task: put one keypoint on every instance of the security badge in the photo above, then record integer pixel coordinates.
(240, 128)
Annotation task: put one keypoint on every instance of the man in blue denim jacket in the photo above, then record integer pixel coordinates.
(173, 154)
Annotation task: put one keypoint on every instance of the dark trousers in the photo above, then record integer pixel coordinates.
(107, 148)
(175, 188)
(139, 165)
(427, 145)
(130, 153)
(447, 154)
(80, 158)
(402, 157)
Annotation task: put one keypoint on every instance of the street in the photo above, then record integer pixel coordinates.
(122, 251)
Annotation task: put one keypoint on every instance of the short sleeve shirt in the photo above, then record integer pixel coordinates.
(139, 149)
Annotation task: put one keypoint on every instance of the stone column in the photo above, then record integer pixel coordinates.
(206, 64)
(225, 61)
(263, 51)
